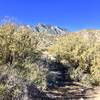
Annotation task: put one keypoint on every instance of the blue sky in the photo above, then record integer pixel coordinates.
(71, 14)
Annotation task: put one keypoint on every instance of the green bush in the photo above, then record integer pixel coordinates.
(18, 51)
(81, 53)
(15, 43)
(3, 89)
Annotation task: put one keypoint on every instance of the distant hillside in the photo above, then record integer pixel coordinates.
(90, 34)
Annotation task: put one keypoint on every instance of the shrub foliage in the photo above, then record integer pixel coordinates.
(82, 54)
(18, 50)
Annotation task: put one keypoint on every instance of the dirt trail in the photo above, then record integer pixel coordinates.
(96, 94)
(75, 92)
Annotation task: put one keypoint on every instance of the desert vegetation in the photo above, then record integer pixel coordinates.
(22, 60)
(18, 51)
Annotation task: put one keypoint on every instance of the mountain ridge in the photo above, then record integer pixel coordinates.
(47, 28)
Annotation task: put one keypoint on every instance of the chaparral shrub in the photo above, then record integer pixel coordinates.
(82, 54)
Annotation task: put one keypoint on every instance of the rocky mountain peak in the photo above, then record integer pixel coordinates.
(49, 29)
